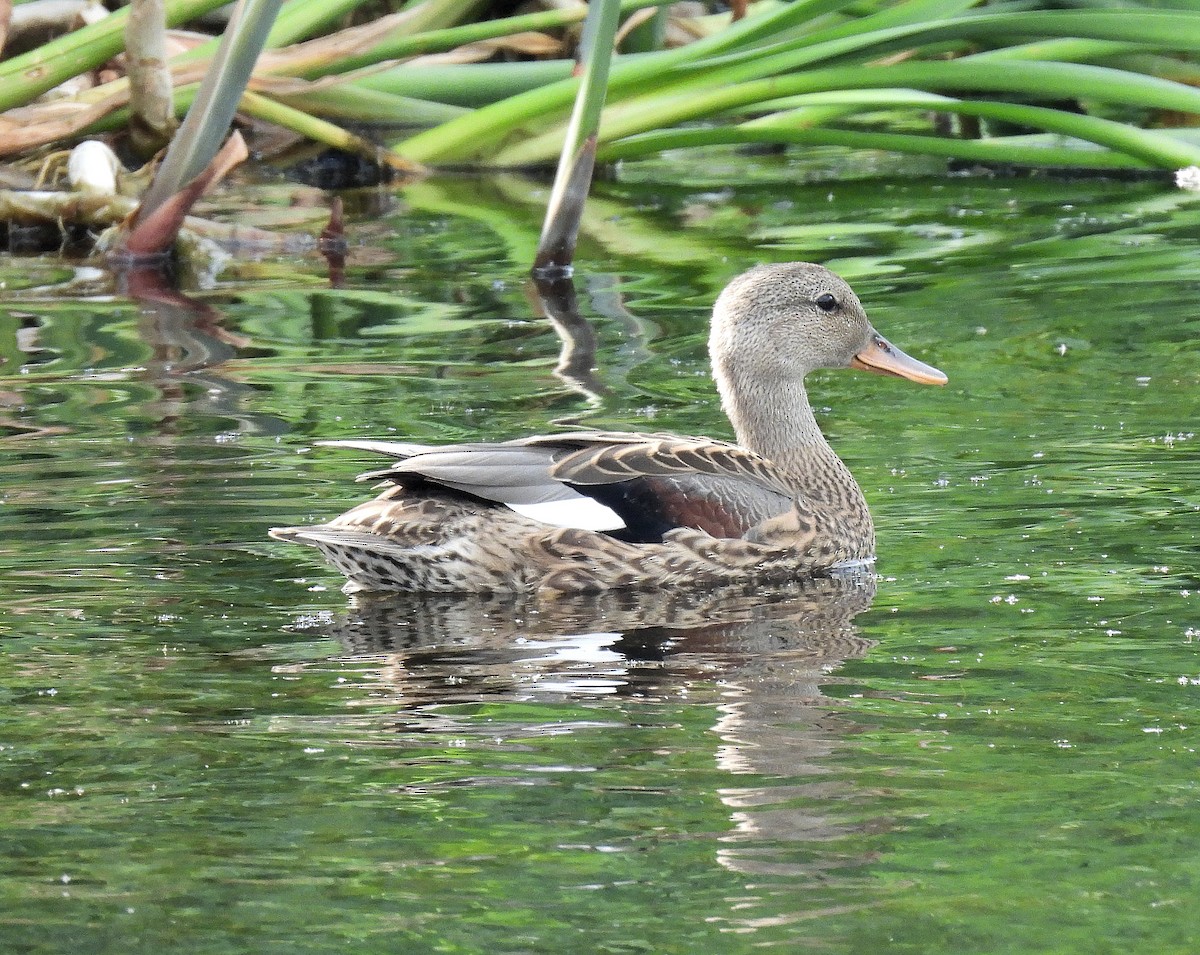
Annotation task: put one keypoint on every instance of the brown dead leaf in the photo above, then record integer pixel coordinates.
(632, 22)
(157, 231)
(525, 44)
(26, 127)
(299, 58)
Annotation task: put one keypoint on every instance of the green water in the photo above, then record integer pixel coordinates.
(206, 748)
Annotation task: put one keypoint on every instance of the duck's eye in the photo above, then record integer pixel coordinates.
(827, 302)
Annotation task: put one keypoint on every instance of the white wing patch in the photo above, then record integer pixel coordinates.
(581, 511)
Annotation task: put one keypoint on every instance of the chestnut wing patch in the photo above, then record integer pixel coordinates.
(720, 506)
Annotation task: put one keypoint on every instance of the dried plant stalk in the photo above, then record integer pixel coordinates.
(152, 112)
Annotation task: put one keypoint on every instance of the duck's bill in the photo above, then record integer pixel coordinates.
(884, 358)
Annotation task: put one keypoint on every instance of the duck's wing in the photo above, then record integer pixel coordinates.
(507, 473)
(607, 457)
(641, 486)
(660, 482)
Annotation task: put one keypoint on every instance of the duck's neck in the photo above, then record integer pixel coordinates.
(777, 422)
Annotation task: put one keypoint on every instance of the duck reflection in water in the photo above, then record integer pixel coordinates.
(759, 658)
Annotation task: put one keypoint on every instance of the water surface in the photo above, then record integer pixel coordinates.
(990, 746)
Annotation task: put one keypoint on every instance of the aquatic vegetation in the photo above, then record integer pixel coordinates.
(1003, 83)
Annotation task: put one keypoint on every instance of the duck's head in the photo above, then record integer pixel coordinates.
(779, 322)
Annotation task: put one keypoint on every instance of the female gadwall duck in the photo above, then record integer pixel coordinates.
(594, 510)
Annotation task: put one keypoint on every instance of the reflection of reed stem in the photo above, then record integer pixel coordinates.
(577, 360)
(190, 347)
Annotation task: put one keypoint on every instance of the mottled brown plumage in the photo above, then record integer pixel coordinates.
(684, 511)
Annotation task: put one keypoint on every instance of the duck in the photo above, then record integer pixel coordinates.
(591, 510)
